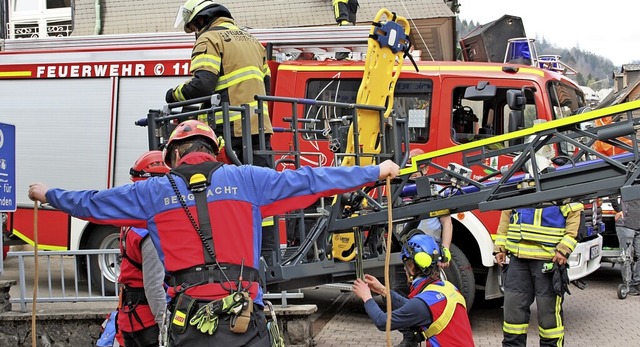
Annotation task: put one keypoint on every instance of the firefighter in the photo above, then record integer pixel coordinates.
(228, 61)
(538, 242)
(345, 11)
(205, 220)
(142, 296)
(435, 308)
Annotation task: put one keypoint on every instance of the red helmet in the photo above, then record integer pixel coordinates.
(149, 164)
(187, 129)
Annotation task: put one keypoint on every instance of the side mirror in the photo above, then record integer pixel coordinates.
(516, 99)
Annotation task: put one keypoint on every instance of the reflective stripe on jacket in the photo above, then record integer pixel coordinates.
(538, 233)
(450, 326)
(239, 61)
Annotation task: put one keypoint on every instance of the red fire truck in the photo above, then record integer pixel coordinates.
(74, 102)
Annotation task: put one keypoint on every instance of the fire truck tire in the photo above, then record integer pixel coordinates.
(104, 267)
(461, 275)
(5, 250)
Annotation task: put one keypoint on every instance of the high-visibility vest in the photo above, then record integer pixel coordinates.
(535, 232)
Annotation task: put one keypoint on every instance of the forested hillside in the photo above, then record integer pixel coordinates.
(593, 70)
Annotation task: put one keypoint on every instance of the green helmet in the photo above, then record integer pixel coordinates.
(196, 8)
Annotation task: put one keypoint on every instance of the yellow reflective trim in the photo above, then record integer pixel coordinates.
(453, 298)
(177, 93)
(205, 60)
(265, 70)
(536, 251)
(239, 80)
(30, 242)
(410, 68)
(267, 222)
(15, 74)
(228, 26)
(553, 333)
(515, 329)
(237, 76)
(554, 124)
(558, 310)
(529, 236)
(237, 115)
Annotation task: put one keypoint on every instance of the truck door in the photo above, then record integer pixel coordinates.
(473, 120)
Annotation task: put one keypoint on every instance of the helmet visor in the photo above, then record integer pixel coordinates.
(182, 16)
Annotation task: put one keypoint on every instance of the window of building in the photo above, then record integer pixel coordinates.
(39, 18)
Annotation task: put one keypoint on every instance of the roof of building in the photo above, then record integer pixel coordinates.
(619, 97)
(630, 67)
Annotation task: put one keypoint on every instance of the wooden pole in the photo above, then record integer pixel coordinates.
(387, 259)
(35, 275)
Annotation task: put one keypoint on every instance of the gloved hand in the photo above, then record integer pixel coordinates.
(169, 98)
(446, 255)
(560, 279)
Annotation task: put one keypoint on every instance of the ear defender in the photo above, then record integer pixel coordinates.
(422, 259)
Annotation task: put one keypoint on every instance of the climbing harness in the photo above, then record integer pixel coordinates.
(238, 304)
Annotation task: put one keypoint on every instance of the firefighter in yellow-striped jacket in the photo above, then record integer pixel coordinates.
(538, 242)
(228, 61)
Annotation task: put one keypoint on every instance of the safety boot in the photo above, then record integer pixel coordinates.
(409, 339)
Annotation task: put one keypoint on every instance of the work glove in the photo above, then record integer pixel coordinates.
(205, 319)
(446, 255)
(169, 98)
(560, 279)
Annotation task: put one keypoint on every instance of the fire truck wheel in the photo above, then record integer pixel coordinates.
(5, 250)
(461, 275)
(104, 267)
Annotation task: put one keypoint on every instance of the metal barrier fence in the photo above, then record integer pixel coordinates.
(61, 279)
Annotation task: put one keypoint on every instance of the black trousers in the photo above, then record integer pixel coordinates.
(147, 337)
(523, 283)
(256, 335)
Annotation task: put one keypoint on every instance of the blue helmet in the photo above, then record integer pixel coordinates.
(422, 248)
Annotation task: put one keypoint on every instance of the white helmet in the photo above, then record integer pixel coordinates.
(196, 8)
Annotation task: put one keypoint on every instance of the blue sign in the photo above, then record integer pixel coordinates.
(7, 167)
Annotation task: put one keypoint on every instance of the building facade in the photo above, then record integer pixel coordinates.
(433, 21)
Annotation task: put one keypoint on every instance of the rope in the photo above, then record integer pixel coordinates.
(417, 31)
(35, 275)
(387, 258)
